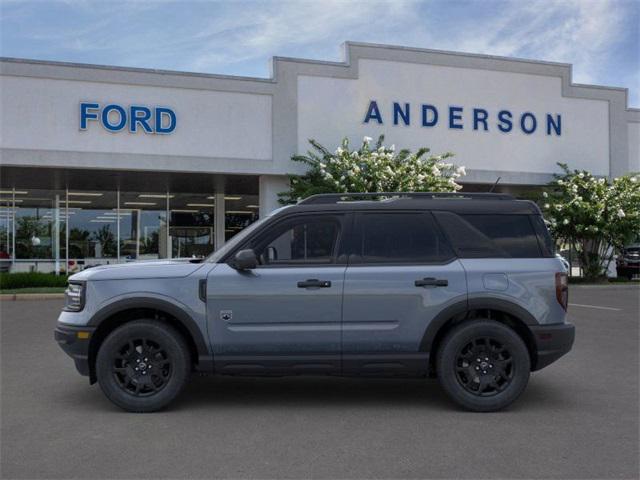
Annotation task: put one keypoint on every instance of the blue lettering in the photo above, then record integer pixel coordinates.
(373, 112)
(105, 118)
(399, 112)
(480, 115)
(557, 125)
(425, 116)
(162, 112)
(455, 113)
(139, 115)
(523, 123)
(85, 114)
(504, 117)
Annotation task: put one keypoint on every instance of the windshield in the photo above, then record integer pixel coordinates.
(239, 238)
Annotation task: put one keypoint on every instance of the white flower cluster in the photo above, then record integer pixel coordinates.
(380, 168)
(583, 206)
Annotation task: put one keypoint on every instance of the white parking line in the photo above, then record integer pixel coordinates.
(594, 306)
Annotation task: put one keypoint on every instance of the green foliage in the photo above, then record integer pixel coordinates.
(106, 238)
(31, 279)
(371, 169)
(594, 215)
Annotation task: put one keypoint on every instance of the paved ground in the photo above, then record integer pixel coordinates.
(577, 419)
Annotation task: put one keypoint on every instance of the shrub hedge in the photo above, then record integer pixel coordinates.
(31, 279)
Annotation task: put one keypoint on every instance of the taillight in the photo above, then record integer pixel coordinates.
(562, 289)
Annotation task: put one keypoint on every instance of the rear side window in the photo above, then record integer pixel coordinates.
(400, 238)
(544, 238)
(491, 236)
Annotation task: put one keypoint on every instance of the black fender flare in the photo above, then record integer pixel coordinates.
(463, 307)
(205, 361)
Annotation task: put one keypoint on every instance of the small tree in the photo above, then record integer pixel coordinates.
(371, 169)
(593, 215)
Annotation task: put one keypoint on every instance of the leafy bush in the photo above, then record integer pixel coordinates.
(371, 168)
(596, 216)
(31, 279)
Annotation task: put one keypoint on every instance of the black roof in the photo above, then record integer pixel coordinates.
(488, 203)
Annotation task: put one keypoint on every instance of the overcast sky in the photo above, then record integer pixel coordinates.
(601, 38)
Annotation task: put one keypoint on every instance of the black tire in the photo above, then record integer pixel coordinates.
(126, 360)
(483, 365)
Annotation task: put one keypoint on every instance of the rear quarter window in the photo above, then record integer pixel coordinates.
(490, 235)
(544, 237)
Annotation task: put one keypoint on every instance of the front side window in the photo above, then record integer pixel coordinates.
(306, 240)
(400, 238)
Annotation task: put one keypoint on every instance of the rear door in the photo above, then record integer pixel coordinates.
(401, 274)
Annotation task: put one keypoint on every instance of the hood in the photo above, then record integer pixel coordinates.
(139, 270)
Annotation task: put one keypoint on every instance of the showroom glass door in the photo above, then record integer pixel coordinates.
(143, 225)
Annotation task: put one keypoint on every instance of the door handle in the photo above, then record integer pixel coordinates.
(314, 283)
(432, 282)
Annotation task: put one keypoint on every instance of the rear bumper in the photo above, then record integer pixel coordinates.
(552, 342)
(75, 345)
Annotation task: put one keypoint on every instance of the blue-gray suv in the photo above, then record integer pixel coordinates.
(465, 287)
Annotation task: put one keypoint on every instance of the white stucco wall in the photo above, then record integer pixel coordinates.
(43, 114)
(329, 108)
(633, 129)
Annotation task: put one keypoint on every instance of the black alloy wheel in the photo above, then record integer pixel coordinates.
(143, 365)
(484, 367)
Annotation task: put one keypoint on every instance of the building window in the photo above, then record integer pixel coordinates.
(38, 225)
(192, 225)
(6, 229)
(143, 225)
(92, 230)
(240, 212)
(69, 230)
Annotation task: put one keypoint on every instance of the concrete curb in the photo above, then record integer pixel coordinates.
(31, 296)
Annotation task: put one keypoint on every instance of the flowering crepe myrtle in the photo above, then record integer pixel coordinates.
(371, 168)
(594, 215)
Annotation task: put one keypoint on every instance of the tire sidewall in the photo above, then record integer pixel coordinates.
(175, 347)
(462, 335)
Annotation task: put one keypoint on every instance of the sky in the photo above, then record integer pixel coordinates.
(601, 38)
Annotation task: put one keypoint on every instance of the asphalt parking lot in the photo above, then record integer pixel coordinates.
(577, 419)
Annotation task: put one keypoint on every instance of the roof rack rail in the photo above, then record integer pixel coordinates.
(328, 198)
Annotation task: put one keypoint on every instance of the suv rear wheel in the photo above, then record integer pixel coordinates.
(143, 365)
(483, 365)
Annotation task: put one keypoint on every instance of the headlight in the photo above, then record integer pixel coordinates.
(74, 297)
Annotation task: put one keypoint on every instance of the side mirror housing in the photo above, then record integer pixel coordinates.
(245, 260)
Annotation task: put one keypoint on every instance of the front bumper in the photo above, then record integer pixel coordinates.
(75, 343)
(552, 342)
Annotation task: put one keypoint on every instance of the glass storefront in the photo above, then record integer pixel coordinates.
(240, 212)
(68, 230)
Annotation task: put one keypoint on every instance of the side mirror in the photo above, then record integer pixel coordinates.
(245, 260)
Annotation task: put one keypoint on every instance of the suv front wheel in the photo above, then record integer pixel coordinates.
(143, 365)
(483, 365)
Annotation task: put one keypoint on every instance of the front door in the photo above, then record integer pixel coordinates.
(284, 316)
(401, 274)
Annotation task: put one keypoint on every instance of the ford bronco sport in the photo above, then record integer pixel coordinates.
(464, 287)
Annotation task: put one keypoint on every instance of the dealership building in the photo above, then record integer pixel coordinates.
(104, 164)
